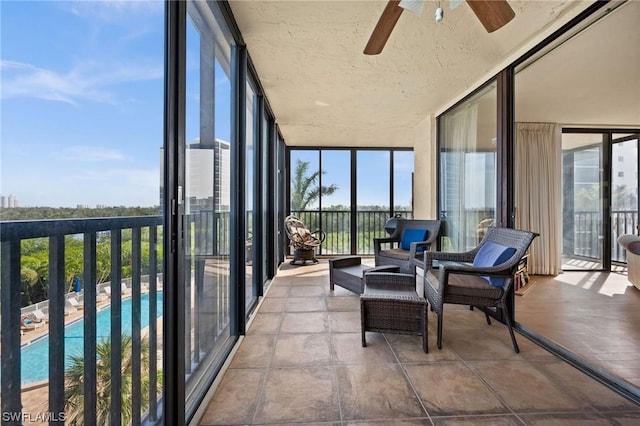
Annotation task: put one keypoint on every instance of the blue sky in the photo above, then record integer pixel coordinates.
(82, 102)
(372, 175)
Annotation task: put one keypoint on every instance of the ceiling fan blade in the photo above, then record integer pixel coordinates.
(493, 14)
(383, 28)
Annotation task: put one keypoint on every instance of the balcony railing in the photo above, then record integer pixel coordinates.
(337, 226)
(12, 234)
(586, 232)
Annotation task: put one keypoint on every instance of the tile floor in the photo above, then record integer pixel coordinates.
(594, 314)
(302, 363)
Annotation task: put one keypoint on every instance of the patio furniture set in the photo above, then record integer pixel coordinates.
(482, 277)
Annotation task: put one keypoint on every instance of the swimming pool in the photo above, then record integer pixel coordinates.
(35, 356)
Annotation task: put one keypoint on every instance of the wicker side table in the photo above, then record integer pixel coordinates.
(390, 304)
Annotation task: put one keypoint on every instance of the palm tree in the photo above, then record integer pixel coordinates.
(74, 382)
(305, 189)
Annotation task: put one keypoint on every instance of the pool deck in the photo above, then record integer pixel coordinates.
(42, 328)
(35, 396)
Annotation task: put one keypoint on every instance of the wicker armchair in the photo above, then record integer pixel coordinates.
(458, 281)
(393, 253)
(303, 241)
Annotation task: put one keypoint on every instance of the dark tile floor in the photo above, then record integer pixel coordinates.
(302, 362)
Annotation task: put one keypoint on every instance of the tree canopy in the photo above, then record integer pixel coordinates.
(305, 188)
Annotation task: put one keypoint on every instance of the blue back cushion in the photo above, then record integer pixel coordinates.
(413, 235)
(493, 254)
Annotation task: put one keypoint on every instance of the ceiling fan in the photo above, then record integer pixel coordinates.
(493, 14)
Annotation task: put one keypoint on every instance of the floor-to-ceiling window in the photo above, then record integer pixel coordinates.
(625, 203)
(468, 170)
(582, 201)
(336, 214)
(207, 205)
(600, 197)
(350, 193)
(251, 145)
(373, 196)
(585, 82)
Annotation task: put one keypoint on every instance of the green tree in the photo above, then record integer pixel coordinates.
(74, 382)
(305, 188)
(624, 198)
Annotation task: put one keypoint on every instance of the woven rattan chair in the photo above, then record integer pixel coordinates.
(389, 250)
(457, 280)
(303, 241)
(390, 304)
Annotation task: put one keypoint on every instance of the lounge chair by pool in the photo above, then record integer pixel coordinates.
(39, 316)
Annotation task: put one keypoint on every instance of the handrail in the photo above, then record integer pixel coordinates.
(11, 235)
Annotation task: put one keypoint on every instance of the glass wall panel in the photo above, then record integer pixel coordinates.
(328, 195)
(582, 242)
(250, 156)
(624, 196)
(207, 195)
(336, 201)
(403, 183)
(373, 180)
(267, 191)
(468, 170)
(305, 190)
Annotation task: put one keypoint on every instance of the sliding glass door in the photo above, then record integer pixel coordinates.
(468, 170)
(582, 201)
(207, 169)
(600, 197)
(624, 191)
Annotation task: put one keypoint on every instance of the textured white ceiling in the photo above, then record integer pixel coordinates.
(325, 91)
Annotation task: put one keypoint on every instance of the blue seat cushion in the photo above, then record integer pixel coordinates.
(410, 235)
(493, 254)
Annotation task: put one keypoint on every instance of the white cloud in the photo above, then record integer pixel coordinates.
(90, 154)
(115, 10)
(113, 187)
(88, 81)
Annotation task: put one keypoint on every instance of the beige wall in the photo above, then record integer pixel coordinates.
(424, 177)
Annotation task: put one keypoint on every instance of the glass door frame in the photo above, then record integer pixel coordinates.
(606, 181)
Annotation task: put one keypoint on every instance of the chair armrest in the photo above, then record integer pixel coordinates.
(466, 269)
(430, 256)
(380, 240)
(426, 245)
(320, 235)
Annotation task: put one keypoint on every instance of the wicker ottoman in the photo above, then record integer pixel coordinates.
(348, 271)
(390, 304)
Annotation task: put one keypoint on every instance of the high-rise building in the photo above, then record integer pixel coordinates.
(208, 176)
(8, 202)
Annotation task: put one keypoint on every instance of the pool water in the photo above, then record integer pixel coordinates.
(35, 356)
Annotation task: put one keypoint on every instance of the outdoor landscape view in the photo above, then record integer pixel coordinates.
(82, 88)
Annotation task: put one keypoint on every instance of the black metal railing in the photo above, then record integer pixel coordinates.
(586, 233)
(622, 222)
(336, 225)
(12, 234)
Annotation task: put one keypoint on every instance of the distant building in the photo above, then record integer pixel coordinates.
(82, 206)
(101, 206)
(208, 176)
(8, 202)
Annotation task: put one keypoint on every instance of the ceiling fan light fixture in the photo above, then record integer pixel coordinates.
(413, 6)
(439, 14)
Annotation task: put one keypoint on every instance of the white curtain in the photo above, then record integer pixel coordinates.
(461, 130)
(539, 193)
